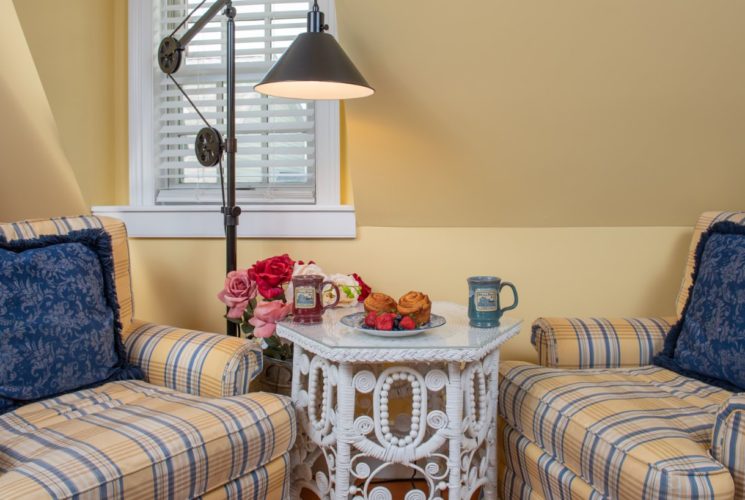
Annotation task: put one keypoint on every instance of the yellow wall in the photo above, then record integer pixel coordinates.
(558, 271)
(487, 114)
(79, 48)
(35, 177)
(544, 113)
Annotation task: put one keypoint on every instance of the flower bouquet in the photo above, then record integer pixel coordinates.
(261, 296)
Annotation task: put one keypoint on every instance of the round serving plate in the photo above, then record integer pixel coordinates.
(357, 321)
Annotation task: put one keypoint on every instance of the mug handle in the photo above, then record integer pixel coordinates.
(514, 293)
(336, 289)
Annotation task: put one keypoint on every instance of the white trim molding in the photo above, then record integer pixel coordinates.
(141, 90)
(256, 221)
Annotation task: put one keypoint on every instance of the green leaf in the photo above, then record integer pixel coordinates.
(273, 352)
(273, 341)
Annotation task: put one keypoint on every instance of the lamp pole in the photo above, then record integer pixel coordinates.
(209, 145)
(230, 210)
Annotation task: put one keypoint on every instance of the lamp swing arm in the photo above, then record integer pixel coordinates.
(202, 21)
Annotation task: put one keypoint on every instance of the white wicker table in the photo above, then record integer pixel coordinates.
(347, 387)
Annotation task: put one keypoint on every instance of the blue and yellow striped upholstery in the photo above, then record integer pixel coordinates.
(190, 430)
(628, 433)
(203, 364)
(597, 421)
(527, 472)
(267, 483)
(598, 342)
(728, 440)
(704, 222)
(136, 440)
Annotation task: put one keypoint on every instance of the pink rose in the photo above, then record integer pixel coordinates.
(239, 290)
(266, 315)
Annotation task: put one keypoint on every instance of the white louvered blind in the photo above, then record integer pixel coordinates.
(276, 159)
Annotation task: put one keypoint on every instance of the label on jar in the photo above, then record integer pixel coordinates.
(305, 297)
(485, 299)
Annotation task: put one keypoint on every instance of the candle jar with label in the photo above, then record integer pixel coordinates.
(307, 291)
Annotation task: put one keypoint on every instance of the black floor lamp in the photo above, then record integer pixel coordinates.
(313, 67)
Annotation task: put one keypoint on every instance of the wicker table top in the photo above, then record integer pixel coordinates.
(454, 341)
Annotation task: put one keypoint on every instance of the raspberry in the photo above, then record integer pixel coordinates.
(385, 321)
(370, 319)
(407, 323)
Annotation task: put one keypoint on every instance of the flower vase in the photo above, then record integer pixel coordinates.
(276, 376)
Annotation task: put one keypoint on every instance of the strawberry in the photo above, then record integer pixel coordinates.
(385, 321)
(370, 319)
(407, 323)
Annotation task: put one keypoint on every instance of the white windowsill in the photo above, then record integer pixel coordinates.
(256, 221)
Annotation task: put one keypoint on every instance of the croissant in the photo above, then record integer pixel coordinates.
(379, 302)
(417, 305)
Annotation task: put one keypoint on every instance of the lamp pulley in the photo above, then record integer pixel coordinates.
(169, 55)
(208, 147)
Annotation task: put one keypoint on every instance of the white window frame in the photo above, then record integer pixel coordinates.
(327, 218)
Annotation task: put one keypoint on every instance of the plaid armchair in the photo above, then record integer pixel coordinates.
(597, 420)
(189, 430)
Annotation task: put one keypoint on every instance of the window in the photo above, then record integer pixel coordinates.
(287, 164)
(276, 159)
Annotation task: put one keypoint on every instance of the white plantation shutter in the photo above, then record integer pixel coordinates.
(276, 158)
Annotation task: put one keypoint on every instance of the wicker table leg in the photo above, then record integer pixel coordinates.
(454, 410)
(344, 430)
(295, 456)
(313, 458)
(491, 367)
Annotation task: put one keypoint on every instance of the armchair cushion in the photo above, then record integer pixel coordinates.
(598, 342)
(199, 363)
(629, 433)
(708, 342)
(135, 440)
(59, 317)
(728, 440)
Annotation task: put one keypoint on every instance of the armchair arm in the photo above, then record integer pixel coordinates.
(598, 342)
(203, 364)
(728, 440)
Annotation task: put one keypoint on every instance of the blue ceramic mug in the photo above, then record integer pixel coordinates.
(484, 310)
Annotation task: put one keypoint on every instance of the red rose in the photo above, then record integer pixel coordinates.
(270, 274)
(364, 288)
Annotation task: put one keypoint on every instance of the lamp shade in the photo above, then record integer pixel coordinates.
(314, 67)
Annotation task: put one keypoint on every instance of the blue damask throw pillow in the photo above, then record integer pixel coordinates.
(708, 343)
(59, 317)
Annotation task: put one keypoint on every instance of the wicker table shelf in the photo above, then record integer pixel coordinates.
(347, 385)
